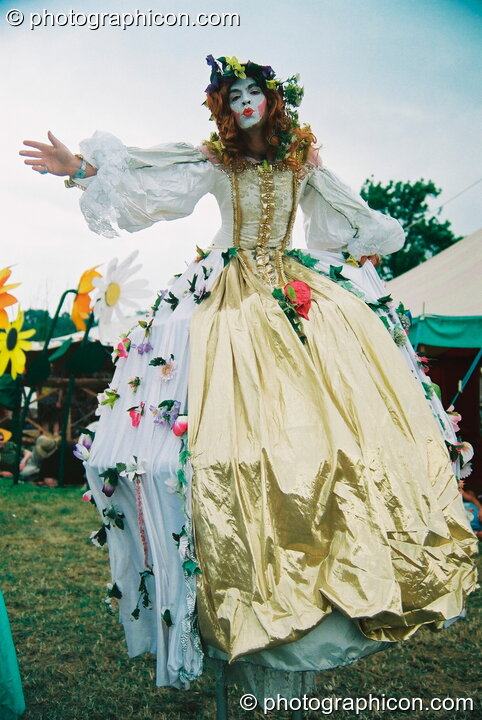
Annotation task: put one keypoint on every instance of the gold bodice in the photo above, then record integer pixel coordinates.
(264, 199)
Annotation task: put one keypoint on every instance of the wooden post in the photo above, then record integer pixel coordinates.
(221, 693)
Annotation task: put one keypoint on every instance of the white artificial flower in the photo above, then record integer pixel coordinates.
(134, 468)
(466, 471)
(168, 370)
(116, 291)
(466, 452)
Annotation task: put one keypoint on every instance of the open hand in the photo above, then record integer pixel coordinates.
(55, 159)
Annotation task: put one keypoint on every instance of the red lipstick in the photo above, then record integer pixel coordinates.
(247, 112)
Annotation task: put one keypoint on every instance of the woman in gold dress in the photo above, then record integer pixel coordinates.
(315, 513)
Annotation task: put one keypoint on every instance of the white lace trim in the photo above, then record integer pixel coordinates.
(101, 198)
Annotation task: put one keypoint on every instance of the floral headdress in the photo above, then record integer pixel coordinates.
(226, 68)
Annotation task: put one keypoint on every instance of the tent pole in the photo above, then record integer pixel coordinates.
(467, 376)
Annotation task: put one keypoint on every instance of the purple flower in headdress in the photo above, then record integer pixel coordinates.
(212, 64)
(215, 79)
(267, 71)
(215, 85)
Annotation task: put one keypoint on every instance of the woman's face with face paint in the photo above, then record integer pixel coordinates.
(247, 102)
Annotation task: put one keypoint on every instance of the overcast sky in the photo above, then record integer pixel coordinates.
(391, 89)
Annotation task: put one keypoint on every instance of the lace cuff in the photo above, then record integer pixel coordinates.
(102, 200)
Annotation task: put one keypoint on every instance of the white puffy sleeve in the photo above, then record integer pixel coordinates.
(336, 218)
(135, 188)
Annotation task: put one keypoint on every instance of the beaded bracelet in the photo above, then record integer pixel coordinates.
(80, 173)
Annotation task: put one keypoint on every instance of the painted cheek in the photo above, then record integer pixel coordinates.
(236, 115)
(262, 108)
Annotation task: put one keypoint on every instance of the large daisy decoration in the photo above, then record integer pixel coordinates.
(6, 298)
(116, 291)
(13, 343)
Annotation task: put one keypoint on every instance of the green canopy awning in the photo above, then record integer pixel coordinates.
(447, 331)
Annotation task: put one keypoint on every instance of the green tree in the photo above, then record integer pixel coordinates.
(40, 321)
(407, 202)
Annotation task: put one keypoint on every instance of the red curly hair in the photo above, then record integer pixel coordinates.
(277, 123)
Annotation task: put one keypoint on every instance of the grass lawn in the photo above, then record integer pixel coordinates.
(72, 654)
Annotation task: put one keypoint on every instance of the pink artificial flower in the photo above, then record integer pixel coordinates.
(136, 413)
(87, 496)
(454, 418)
(123, 347)
(180, 426)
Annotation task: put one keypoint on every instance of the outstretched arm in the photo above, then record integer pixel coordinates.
(55, 159)
(126, 187)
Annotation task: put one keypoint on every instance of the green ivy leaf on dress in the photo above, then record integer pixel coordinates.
(172, 300)
(203, 294)
(404, 316)
(157, 361)
(184, 453)
(99, 537)
(143, 594)
(191, 567)
(228, 255)
(112, 514)
(143, 587)
(381, 303)
(290, 313)
(166, 616)
(307, 260)
(114, 592)
(428, 390)
(336, 274)
(192, 284)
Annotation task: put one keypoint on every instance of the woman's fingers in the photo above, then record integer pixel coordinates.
(55, 141)
(31, 153)
(38, 145)
(34, 163)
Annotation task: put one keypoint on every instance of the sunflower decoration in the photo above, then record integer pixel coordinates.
(6, 299)
(13, 343)
(116, 291)
(82, 307)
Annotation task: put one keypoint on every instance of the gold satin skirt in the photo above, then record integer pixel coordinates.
(321, 479)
